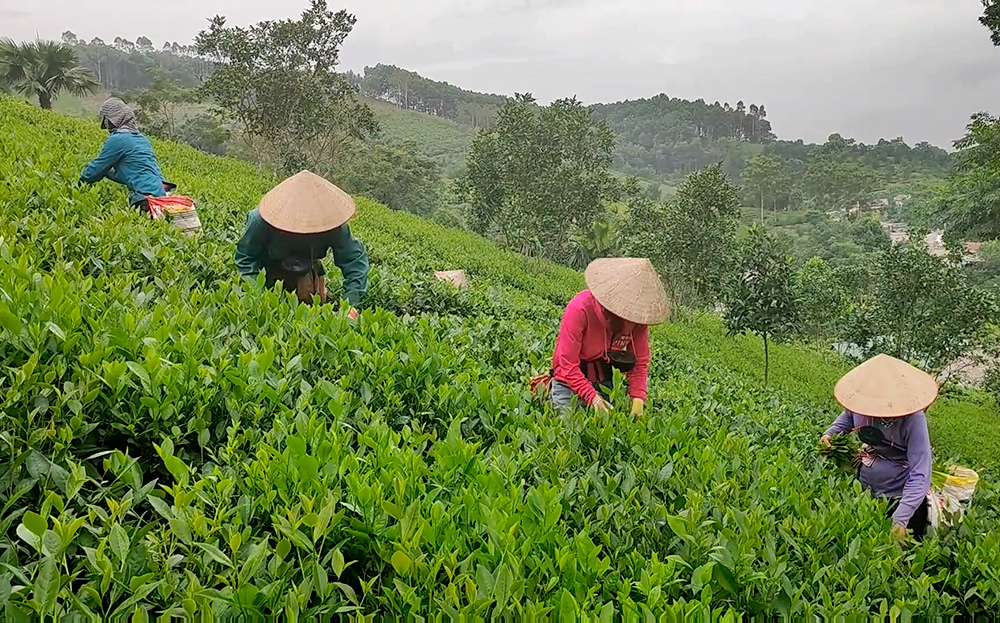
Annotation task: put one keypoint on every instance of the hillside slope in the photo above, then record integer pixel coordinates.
(443, 140)
(304, 466)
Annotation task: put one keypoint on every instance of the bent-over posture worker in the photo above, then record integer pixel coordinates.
(606, 327)
(291, 231)
(127, 156)
(884, 400)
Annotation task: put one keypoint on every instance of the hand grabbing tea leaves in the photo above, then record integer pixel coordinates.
(843, 450)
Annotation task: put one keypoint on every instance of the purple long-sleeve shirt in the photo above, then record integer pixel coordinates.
(902, 474)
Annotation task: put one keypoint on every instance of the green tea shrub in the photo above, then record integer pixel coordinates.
(180, 443)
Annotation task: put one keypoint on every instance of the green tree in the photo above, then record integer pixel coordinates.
(991, 19)
(395, 174)
(540, 173)
(968, 206)
(158, 106)
(43, 69)
(702, 225)
(917, 306)
(821, 296)
(692, 238)
(278, 81)
(869, 235)
(838, 183)
(759, 298)
(762, 175)
(598, 240)
(204, 132)
(985, 270)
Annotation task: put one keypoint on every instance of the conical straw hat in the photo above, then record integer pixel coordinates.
(886, 387)
(628, 288)
(457, 278)
(306, 204)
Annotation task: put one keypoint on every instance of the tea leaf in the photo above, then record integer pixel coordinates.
(47, 583)
(140, 373)
(180, 529)
(567, 607)
(725, 578)
(338, 562)
(215, 554)
(35, 523)
(29, 537)
(502, 586)
(401, 563)
(9, 321)
(54, 329)
(119, 542)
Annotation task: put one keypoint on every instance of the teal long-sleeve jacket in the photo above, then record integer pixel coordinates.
(262, 246)
(127, 158)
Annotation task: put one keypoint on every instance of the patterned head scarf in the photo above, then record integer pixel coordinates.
(116, 115)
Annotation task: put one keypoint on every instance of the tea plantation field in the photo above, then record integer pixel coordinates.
(181, 445)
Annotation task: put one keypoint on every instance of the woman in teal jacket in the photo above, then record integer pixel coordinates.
(296, 224)
(127, 156)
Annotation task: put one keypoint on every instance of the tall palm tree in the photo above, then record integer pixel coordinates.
(43, 69)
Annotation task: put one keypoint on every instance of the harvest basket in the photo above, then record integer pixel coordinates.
(949, 494)
(177, 209)
(186, 220)
(958, 482)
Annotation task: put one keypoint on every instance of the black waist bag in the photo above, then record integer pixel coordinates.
(290, 270)
(295, 266)
(621, 360)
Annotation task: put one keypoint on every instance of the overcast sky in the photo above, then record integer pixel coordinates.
(864, 68)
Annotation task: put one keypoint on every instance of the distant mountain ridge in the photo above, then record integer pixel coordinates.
(661, 137)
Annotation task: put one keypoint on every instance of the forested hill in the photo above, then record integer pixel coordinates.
(412, 91)
(124, 65)
(663, 137)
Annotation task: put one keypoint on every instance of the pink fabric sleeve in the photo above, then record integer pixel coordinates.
(566, 360)
(638, 377)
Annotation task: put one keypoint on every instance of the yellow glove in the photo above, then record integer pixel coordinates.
(637, 407)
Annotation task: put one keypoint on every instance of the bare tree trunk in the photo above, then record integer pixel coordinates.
(45, 100)
(767, 359)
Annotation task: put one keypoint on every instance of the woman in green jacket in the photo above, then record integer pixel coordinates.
(288, 235)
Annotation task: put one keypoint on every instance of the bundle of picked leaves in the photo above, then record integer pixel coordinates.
(843, 451)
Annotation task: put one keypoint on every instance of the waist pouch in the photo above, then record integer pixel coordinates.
(622, 360)
(598, 372)
(299, 275)
(295, 266)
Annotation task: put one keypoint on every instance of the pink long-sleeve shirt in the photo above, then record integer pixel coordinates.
(585, 335)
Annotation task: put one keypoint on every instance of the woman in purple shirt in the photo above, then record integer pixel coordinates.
(884, 400)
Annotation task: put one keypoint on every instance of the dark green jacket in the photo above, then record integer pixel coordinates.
(263, 246)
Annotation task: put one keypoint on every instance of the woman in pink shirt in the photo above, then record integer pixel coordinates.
(606, 327)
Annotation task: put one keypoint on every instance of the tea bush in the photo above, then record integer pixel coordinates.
(181, 443)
